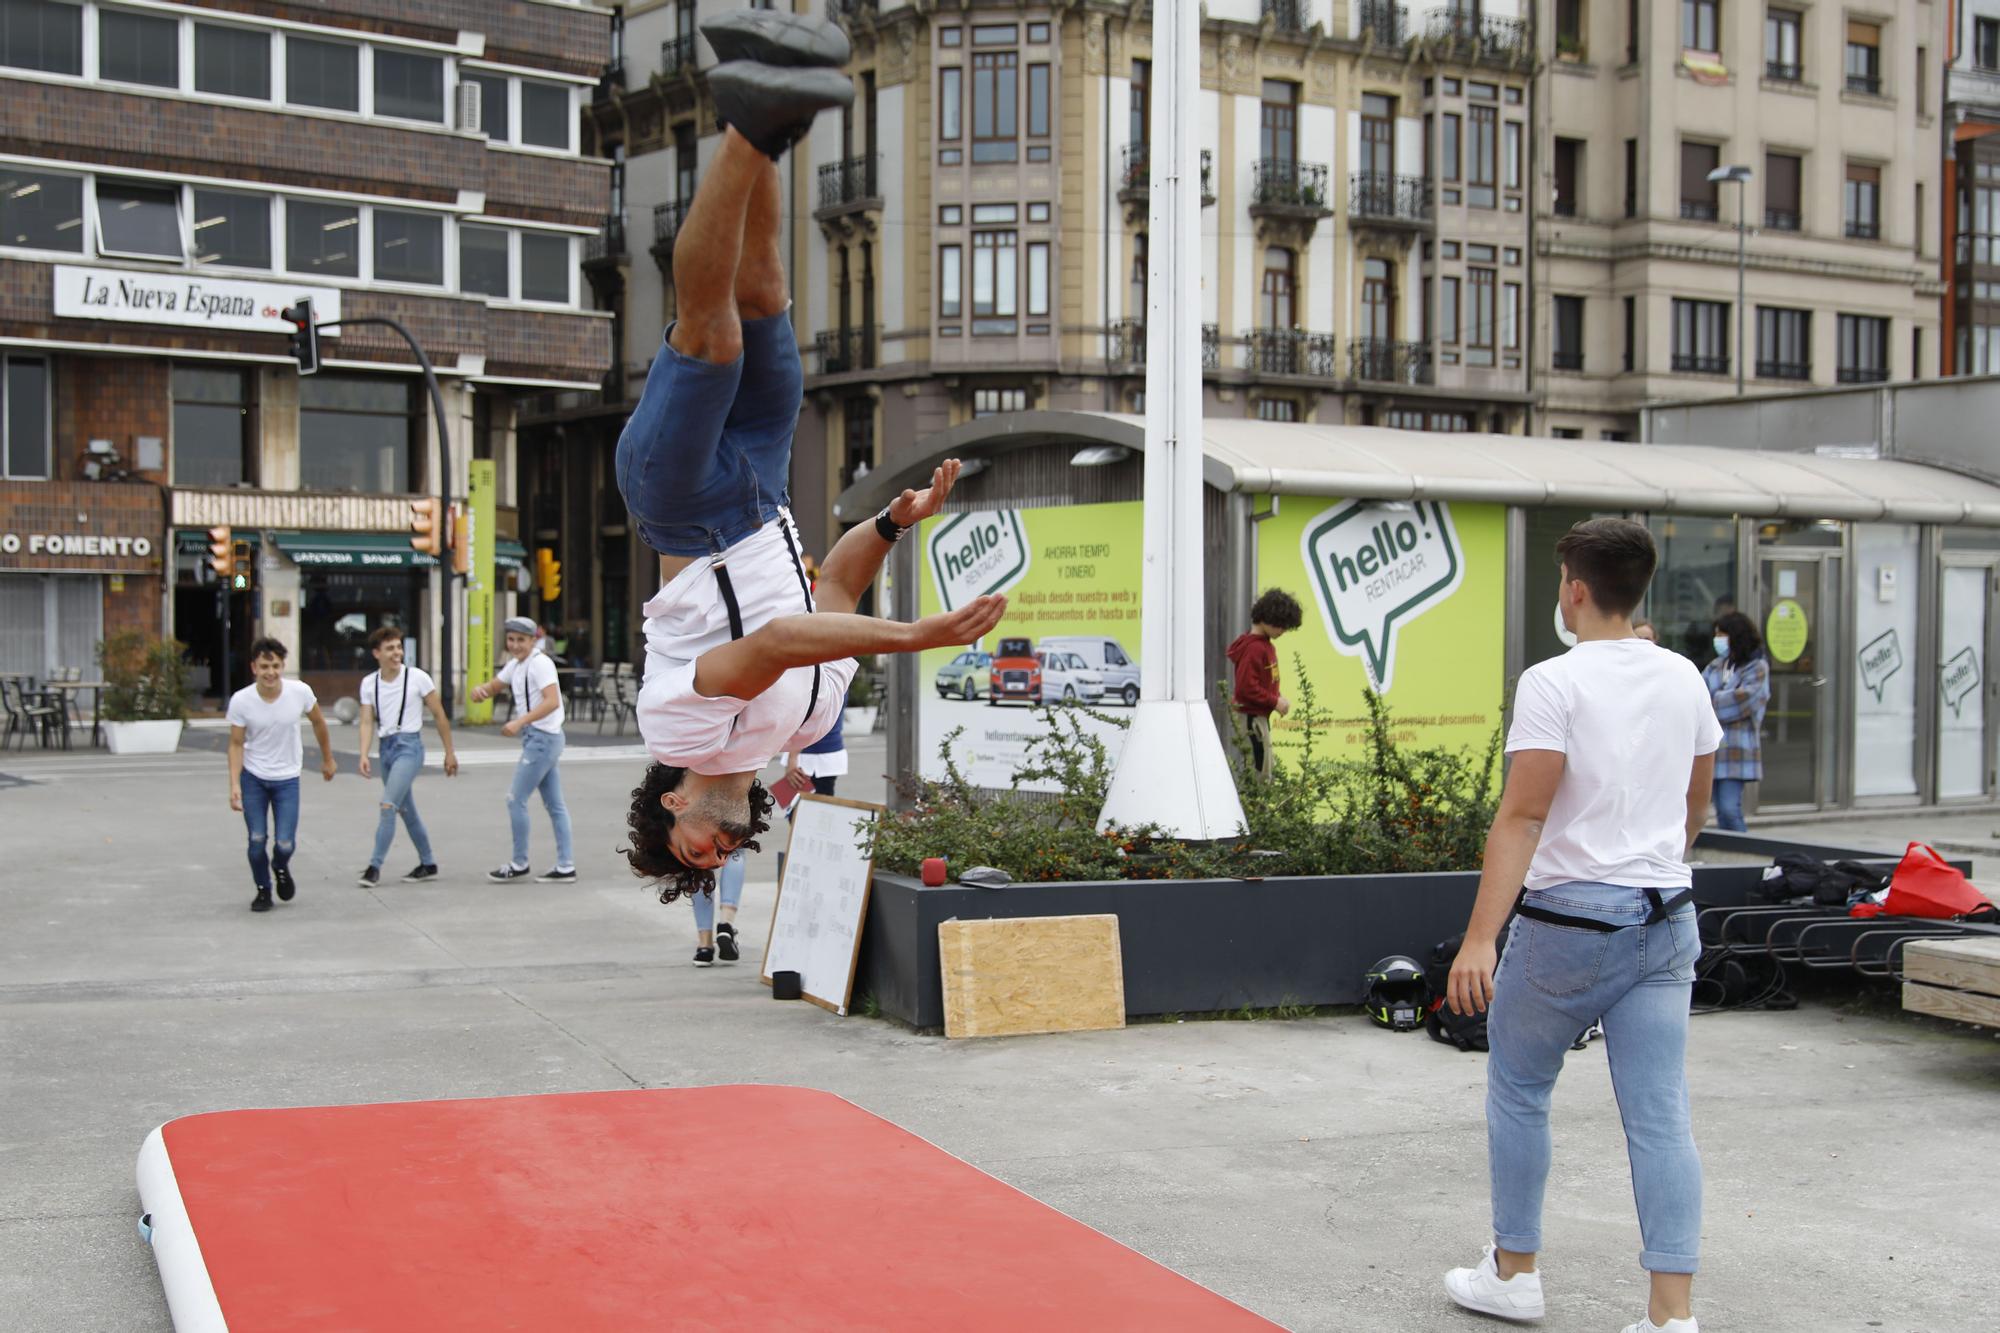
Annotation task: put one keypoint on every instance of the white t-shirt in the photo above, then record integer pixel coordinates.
(529, 676)
(1630, 721)
(271, 746)
(690, 617)
(399, 704)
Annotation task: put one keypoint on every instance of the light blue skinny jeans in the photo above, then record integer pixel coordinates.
(1555, 981)
(1729, 804)
(402, 759)
(728, 887)
(537, 771)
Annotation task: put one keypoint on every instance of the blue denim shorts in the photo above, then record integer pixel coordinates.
(706, 458)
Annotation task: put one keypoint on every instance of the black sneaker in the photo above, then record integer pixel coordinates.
(369, 878)
(777, 38)
(421, 873)
(286, 885)
(704, 957)
(774, 107)
(262, 902)
(725, 942)
(558, 876)
(507, 872)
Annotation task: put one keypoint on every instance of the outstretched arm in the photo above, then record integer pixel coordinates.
(857, 557)
(747, 667)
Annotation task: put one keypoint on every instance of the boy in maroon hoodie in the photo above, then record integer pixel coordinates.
(1275, 613)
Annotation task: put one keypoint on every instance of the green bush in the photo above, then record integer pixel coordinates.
(145, 678)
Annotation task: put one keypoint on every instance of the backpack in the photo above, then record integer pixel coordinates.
(1467, 1032)
(1797, 877)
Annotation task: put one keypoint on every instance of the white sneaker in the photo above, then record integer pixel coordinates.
(1647, 1325)
(1483, 1289)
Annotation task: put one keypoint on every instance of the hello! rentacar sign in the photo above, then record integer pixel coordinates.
(191, 300)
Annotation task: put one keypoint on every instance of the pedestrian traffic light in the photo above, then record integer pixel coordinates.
(427, 525)
(548, 574)
(239, 565)
(305, 336)
(461, 541)
(222, 553)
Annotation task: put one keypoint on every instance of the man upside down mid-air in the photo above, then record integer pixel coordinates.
(745, 659)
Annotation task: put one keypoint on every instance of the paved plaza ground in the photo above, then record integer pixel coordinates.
(1321, 1172)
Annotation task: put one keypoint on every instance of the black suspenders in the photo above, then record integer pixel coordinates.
(1662, 909)
(728, 591)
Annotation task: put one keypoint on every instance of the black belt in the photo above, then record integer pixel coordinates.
(1662, 909)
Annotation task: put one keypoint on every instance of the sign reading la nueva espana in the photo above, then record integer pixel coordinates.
(192, 300)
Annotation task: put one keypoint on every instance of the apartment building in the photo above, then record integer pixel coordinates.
(1971, 251)
(1669, 126)
(172, 177)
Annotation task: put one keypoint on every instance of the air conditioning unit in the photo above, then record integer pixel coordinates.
(468, 106)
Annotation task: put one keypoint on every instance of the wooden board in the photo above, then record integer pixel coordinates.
(1963, 1006)
(1971, 965)
(822, 899)
(1031, 974)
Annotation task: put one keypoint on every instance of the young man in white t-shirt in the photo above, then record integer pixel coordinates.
(265, 759)
(538, 721)
(394, 699)
(1612, 748)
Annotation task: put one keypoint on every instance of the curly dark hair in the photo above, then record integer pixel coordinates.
(651, 854)
(1278, 609)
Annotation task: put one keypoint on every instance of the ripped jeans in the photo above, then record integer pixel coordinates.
(402, 761)
(271, 812)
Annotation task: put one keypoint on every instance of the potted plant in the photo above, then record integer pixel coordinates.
(144, 704)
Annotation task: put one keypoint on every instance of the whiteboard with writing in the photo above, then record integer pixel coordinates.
(822, 899)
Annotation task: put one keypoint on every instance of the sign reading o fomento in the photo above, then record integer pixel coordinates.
(80, 527)
(57, 543)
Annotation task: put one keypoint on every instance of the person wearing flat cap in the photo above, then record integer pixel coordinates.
(538, 721)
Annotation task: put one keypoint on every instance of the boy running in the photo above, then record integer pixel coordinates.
(538, 721)
(265, 760)
(394, 698)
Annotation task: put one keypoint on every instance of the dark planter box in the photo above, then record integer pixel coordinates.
(1198, 946)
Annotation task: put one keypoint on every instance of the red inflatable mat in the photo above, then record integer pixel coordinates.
(685, 1208)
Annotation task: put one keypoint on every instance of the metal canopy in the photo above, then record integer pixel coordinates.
(1375, 463)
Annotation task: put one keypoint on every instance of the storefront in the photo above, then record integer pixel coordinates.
(76, 559)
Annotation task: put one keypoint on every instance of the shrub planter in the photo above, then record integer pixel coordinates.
(1206, 945)
(157, 737)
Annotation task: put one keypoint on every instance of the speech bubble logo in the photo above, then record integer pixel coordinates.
(1376, 567)
(1958, 677)
(973, 554)
(1881, 659)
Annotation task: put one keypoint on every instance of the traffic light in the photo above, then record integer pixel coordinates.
(461, 541)
(548, 573)
(222, 554)
(427, 525)
(305, 337)
(239, 565)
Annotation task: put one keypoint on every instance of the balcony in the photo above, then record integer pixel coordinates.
(1290, 189)
(1211, 347)
(607, 248)
(667, 222)
(1863, 229)
(1867, 84)
(1127, 343)
(850, 186)
(1699, 210)
(1784, 370)
(1862, 374)
(1779, 72)
(1376, 199)
(1293, 16)
(1387, 24)
(609, 83)
(1291, 352)
(1566, 359)
(844, 350)
(676, 55)
(1135, 182)
(1688, 363)
(1387, 361)
(1474, 37)
(1779, 219)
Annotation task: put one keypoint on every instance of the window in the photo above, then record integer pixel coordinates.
(1923, 80)
(1699, 25)
(1275, 308)
(546, 121)
(409, 86)
(1781, 191)
(1781, 46)
(409, 247)
(1479, 312)
(1862, 202)
(1631, 178)
(951, 36)
(990, 213)
(1510, 316)
(545, 267)
(43, 35)
(322, 239)
(999, 34)
(1784, 343)
(1921, 237)
(1277, 409)
(138, 48)
(1038, 278)
(1038, 34)
(992, 402)
(1139, 112)
(951, 101)
(1864, 349)
(328, 74)
(356, 433)
(1482, 154)
(138, 221)
(1566, 432)
(494, 96)
(859, 415)
(1569, 176)
(1447, 316)
(213, 444)
(1378, 308)
(1632, 32)
(1141, 275)
(1448, 147)
(1569, 27)
(1378, 137)
(40, 211)
(1038, 212)
(1701, 337)
(1568, 322)
(1038, 101)
(995, 281)
(1631, 346)
(1278, 122)
(232, 62)
(1986, 43)
(1864, 57)
(1510, 159)
(25, 445)
(482, 261)
(233, 229)
(1699, 194)
(995, 85)
(951, 272)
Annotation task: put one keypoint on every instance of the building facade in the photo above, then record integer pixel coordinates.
(1971, 251)
(1835, 113)
(172, 177)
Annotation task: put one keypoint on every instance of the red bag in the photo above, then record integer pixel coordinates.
(1924, 885)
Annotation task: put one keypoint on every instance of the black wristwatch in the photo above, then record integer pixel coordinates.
(888, 529)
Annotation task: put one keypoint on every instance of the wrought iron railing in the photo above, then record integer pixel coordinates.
(1211, 347)
(1388, 361)
(1128, 342)
(849, 181)
(1489, 38)
(608, 244)
(668, 219)
(1390, 23)
(842, 350)
(1865, 83)
(1689, 363)
(1289, 15)
(610, 81)
(1862, 374)
(1779, 72)
(1699, 210)
(1784, 370)
(1291, 352)
(1137, 176)
(1384, 198)
(676, 54)
(1864, 229)
(1566, 359)
(1781, 219)
(1280, 182)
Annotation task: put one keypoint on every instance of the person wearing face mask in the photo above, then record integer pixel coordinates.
(1739, 684)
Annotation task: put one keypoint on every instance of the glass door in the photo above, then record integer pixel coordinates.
(1800, 598)
(1966, 721)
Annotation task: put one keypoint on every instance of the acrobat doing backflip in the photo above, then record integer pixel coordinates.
(745, 659)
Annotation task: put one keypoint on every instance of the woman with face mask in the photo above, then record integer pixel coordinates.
(1739, 682)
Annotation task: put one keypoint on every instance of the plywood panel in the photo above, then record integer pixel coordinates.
(1972, 965)
(1963, 1006)
(1033, 974)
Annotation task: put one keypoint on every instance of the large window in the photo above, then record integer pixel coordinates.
(995, 281)
(1482, 156)
(1864, 349)
(357, 433)
(546, 118)
(409, 86)
(1864, 57)
(41, 211)
(951, 276)
(496, 98)
(1275, 307)
(232, 229)
(1700, 25)
(322, 74)
(992, 402)
(1699, 194)
(409, 247)
(1694, 583)
(1701, 337)
(546, 267)
(1038, 278)
(482, 261)
(995, 88)
(1781, 191)
(1481, 307)
(213, 443)
(1784, 343)
(1278, 122)
(138, 48)
(1986, 43)
(232, 62)
(43, 35)
(1448, 306)
(24, 416)
(1862, 202)
(1781, 46)
(1448, 150)
(138, 221)
(951, 101)
(1569, 177)
(1038, 101)
(1568, 322)
(322, 239)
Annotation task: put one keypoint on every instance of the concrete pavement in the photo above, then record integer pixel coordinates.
(1321, 1172)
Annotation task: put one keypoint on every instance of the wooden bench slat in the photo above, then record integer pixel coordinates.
(1968, 965)
(1962, 1006)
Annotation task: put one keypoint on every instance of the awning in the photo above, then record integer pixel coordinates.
(194, 541)
(351, 550)
(509, 553)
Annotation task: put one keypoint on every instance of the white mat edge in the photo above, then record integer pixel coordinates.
(191, 1301)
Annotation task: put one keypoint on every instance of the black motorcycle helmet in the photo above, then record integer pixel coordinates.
(1397, 997)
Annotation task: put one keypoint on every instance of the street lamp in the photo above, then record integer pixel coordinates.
(1741, 177)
